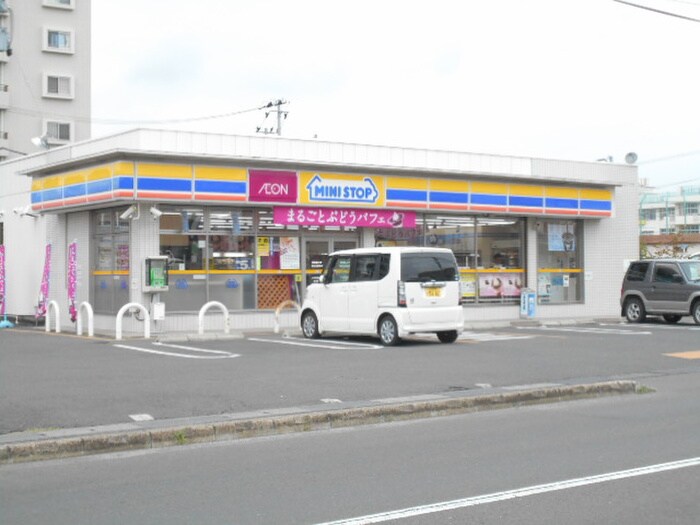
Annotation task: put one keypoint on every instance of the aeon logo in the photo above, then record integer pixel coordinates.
(274, 189)
(272, 186)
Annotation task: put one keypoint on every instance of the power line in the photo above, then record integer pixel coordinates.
(33, 113)
(671, 157)
(668, 13)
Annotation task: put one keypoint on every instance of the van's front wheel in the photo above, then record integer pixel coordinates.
(309, 325)
(449, 336)
(388, 331)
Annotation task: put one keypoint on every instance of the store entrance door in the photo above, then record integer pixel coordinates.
(316, 250)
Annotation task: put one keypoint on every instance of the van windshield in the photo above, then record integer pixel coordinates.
(422, 267)
(691, 270)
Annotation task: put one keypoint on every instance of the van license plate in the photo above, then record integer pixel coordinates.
(432, 292)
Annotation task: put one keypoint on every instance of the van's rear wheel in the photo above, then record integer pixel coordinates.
(309, 325)
(388, 331)
(695, 311)
(449, 336)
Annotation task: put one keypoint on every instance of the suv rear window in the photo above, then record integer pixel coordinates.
(422, 267)
(637, 271)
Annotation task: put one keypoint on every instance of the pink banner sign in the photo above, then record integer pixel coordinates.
(272, 186)
(44, 289)
(2, 279)
(72, 279)
(343, 217)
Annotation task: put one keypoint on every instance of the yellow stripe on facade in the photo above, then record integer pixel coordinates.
(55, 181)
(218, 173)
(37, 184)
(123, 168)
(405, 183)
(99, 172)
(77, 177)
(526, 190)
(559, 270)
(601, 195)
(491, 188)
(166, 171)
(557, 191)
(491, 270)
(449, 185)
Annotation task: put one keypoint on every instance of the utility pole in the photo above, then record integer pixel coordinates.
(281, 115)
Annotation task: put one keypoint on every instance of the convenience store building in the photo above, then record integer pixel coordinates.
(249, 221)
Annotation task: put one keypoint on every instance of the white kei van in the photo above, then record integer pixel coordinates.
(390, 292)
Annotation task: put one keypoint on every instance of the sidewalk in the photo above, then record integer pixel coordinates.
(57, 444)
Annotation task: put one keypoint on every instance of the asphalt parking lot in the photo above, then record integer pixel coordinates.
(52, 381)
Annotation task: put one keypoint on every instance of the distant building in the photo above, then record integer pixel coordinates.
(45, 79)
(669, 222)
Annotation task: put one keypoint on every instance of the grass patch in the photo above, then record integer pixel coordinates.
(643, 389)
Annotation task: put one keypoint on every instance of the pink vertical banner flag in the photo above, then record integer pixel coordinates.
(2, 279)
(44, 289)
(72, 279)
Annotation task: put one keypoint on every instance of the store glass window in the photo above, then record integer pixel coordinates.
(560, 261)
(110, 275)
(489, 251)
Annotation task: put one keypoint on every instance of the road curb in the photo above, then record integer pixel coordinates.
(250, 427)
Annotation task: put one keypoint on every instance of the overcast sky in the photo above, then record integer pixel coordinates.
(570, 79)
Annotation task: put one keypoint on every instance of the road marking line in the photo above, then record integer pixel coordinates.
(655, 326)
(141, 417)
(686, 355)
(517, 493)
(314, 345)
(193, 349)
(330, 400)
(173, 354)
(603, 331)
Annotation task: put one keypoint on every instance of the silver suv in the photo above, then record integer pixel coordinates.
(666, 287)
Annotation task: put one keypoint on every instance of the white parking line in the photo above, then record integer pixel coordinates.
(655, 326)
(317, 344)
(517, 493)
(584, 330)
(225, 355)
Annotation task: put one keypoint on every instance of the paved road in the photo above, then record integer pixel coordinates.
(59, 381)
(419, 465)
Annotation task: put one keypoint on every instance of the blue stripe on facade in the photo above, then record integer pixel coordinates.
(123, 183)
(407, 195)
(36, 196)
(75, 190)
(596, 205)
(52, 195)
(184, 185)
(495, 200)
(99, 186)
(534, 202)
(447, 196)
(217, 186)
(568, 204)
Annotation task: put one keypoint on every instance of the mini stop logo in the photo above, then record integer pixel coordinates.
(272, 186)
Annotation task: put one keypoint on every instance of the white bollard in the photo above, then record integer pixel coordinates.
(146, 320)
(206, 307)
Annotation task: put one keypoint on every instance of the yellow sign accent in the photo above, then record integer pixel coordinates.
(219, 173)
(263, 246)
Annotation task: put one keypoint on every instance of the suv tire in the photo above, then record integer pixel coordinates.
(695, 311)
(309, 325)
(449, 336)
(634, 310)
(388, 331)
(672, 318)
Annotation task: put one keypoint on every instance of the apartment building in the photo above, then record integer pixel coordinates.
(44, 74)
(669, 222)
